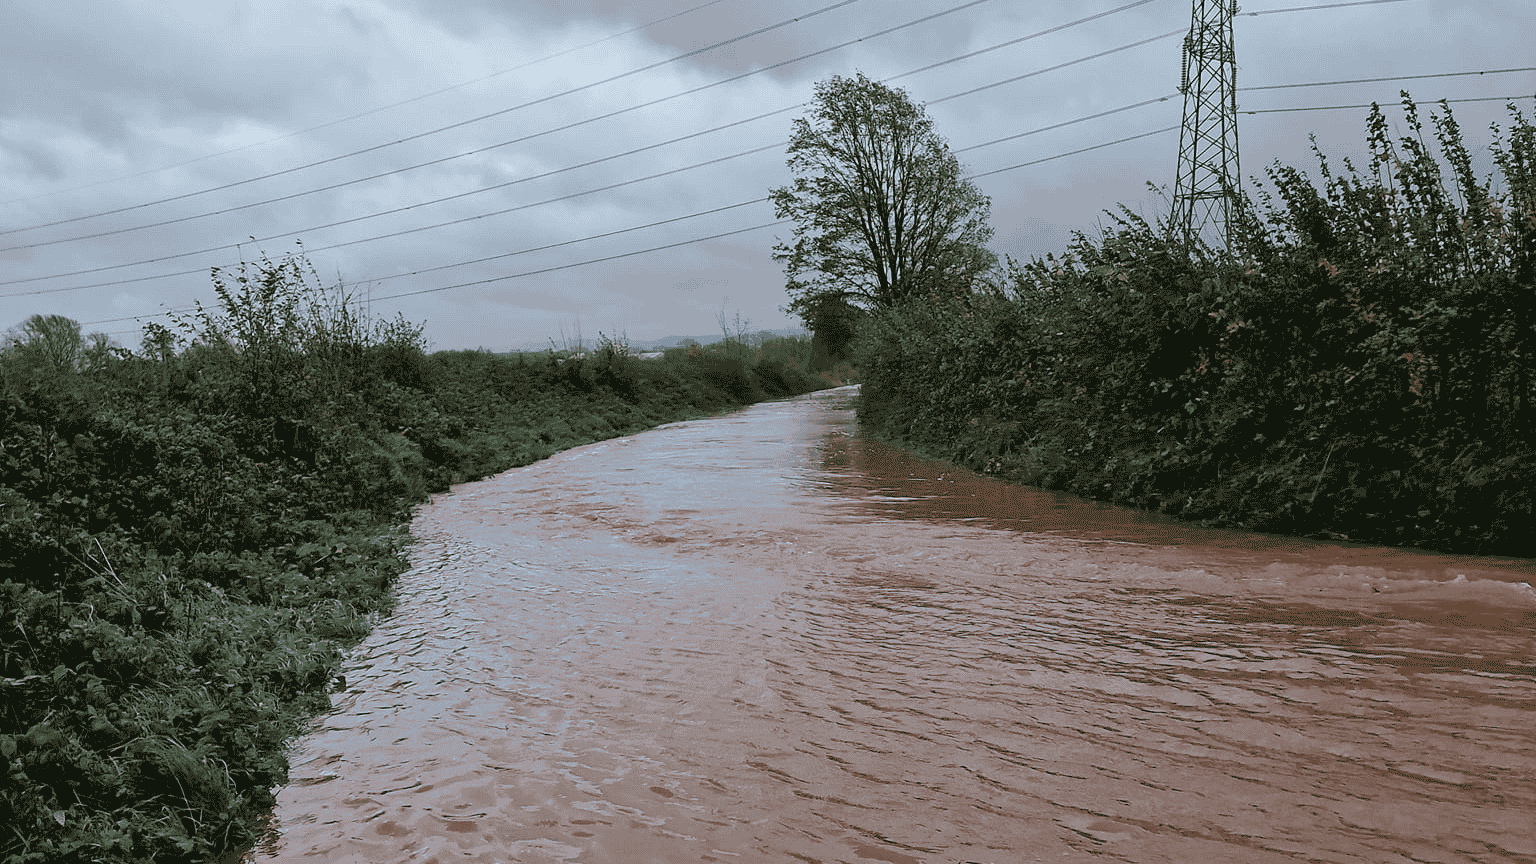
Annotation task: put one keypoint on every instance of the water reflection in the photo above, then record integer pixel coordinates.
(898, 484)
(762, 637)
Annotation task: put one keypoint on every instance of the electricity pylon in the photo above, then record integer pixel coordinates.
(1206, 193)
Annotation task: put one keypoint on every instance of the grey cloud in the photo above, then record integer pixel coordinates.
(151, 85)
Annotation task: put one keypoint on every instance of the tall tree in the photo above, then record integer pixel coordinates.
(50, 341)
(880, 210)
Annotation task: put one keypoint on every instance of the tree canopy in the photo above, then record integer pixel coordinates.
(881, 212)
(48, 341)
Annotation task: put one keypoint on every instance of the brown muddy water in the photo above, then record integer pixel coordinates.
(762, 637)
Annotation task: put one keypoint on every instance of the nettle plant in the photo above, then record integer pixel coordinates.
(286, 334)
(289, 355)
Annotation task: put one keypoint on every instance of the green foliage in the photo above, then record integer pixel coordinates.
(48, 342)
(880, 208)
(1362, 367)
(834, 322)
(190, 537)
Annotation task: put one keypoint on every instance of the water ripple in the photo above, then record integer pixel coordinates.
(762, 637)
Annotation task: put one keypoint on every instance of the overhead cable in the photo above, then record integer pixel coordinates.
(500, 212)
(137, 318)
(744, 121)
(605, 258)
(1389, 78)
(1011, 42)
(1067, 123)
(382, 108)
(589, 44)
(479, 190)
(1370, 104)
(737, 231)
(198, 270)
(500, 72)
(689, 242)
(702, 132)
(543, 270)
(546, 247)
(418, 229)
(1018, 78)
(983, 174)
(1322, 6)
(1074, 152)
(539, 101)
(488, 258)
(568, 126)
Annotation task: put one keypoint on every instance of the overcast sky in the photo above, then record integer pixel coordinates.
(119, 106)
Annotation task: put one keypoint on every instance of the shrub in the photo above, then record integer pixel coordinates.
(190, 537)
(1360, 367)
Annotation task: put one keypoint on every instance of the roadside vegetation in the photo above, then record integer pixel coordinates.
(1361, 366)
(882, 214)
(191, 535)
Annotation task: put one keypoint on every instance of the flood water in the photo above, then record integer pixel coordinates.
(762, 637)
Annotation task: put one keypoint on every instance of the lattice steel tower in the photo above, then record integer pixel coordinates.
(1205, 198)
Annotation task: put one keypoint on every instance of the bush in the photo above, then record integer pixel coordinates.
(1361, 367)
(191, 536)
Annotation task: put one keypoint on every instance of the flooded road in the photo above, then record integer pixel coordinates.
(762, 637)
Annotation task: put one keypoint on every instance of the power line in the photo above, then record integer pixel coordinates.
(546, 247)
(557, 268)
(1075, 152)
(501, 212)
(566, 51)
(606, 234)
(653, 176)
(488, 258)
(555, 55)
(1368, 105)
(646, 68)
(573, 125)
(544, 270)
(721, 127)
(205, 157)
(136, 318)
(508, 70)
(1017, 78)
(478, 150)
(198, 270)
(689, 242)
(988, 173)
(748, 203)
(1390, 78)
(1321, 6)
(1065, 123)
(476, 191)
(1035, 35)
(415, 230)
(1134, 43)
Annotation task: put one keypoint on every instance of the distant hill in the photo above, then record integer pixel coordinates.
(675, 341)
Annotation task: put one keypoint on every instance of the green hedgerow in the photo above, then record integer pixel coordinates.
(190, 537)
(1360, 365)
